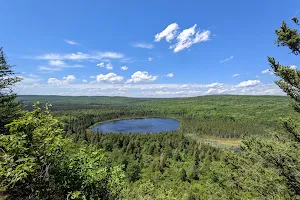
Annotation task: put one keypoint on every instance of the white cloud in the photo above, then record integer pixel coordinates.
(54, 81)
(124, 68)
(50, 69)
(84, 81)
(186, 38)
(217, 90)
(105, 88)
(267, 71)
(150, 59)
(248, 83)
(235, 75)
(80, 56)
(108, 54)
(213, 85)
(100, 64)
(110, 78)
(92, 77)
(109, 66)
(170, 75)
(143, 45)
(56, 62)
(202, 36)
(72, 42)
(169, 33)
(57, 65)
(70, 78)
(293, 67)
(226, 59)
(141, 77)
(65, 81)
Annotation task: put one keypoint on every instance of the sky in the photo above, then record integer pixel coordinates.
(145, 48)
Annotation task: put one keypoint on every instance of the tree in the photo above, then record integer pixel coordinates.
(8, 106)
(133, 171)
(288, 162)
(162, 162)
(183, 175)
(36, 162)
(267, 168)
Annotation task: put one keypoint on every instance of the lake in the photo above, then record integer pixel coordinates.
(147, 125)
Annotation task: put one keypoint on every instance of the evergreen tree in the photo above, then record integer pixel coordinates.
(8, 105)
(288, 162)
(183, 175)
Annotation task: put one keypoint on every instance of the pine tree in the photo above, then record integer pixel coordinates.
(8, 104)
(288, 162)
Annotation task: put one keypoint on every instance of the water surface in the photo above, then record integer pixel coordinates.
(147, 125)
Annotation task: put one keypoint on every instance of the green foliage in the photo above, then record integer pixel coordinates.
(289, 37)
(180, 165)
(37, 162)
(224, 116)
(283, 153)
(133, 171)
(9, 108)
(183, 175)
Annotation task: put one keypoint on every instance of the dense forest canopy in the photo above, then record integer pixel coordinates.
(227, 147)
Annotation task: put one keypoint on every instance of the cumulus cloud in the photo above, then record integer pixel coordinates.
(142, 90)
(109, 78)
(109, 66)
(92, 77)
(216, 91)
(69, 78)
(188, 37)
(293, 67)
(248, 83)
(213, 85)
(150, 59)
(84, 80)
(169, 33)
(141, 77)
(235, 75)
(170, 75)
(266, 71)
(72, 42)
(79, 56)
(124, 68)
(143, 45)
(65, 81)
(226, 59)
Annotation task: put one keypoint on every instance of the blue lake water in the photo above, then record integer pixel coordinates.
(147, 125)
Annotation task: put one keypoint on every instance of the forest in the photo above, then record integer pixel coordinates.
(227, 146)
(162, 166)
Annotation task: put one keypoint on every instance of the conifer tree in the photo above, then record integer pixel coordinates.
(288, 162)
(8, 104)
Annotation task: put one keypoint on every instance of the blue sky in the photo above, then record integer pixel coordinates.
(145, 48)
